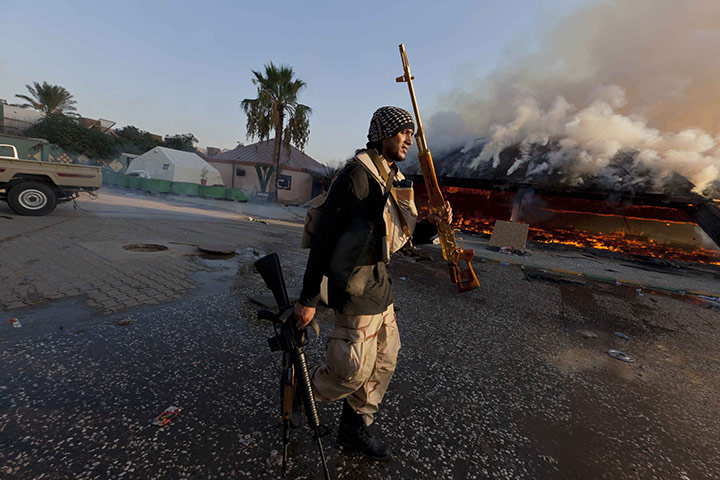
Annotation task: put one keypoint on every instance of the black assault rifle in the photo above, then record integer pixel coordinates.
(291, 341)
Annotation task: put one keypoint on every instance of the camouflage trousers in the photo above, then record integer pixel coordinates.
(360, 357)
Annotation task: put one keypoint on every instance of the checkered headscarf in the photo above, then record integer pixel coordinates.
(387, 122)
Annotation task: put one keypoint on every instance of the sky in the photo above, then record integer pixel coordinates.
(172, 67)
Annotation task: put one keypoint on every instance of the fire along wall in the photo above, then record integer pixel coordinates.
(567, 218)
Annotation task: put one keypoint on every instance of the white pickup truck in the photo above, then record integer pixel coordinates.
(32, 187)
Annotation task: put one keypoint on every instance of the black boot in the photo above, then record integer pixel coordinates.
(353, 434)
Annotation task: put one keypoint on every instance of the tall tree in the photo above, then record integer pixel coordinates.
(276, 110)
(71, 137)
(49, 99)
(181, 141)
(133, 140)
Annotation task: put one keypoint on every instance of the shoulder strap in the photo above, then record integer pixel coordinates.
(389, 184)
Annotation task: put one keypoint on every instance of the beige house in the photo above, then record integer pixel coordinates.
(250, 169)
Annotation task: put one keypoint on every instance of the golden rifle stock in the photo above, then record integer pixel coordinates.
(465, 279)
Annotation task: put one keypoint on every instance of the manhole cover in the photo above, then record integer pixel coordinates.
(217, 249)
(144, 247)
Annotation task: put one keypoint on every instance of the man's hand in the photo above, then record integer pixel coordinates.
(437, 219)
(303, 316)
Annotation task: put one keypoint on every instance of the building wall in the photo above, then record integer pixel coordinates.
(226, 172)
(125, 159)
(14, 120)
(300, 182)
(24, 146)
(301, 191)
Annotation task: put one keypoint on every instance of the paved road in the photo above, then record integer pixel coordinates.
(494, 383)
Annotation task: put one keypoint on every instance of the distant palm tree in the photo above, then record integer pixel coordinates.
(276, 109)
(326, 176)
(49, 99)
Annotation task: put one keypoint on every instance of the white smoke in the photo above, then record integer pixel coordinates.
(638, 76)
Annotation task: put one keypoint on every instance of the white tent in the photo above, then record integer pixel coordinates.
(174, 165)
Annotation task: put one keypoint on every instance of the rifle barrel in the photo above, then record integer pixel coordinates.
(420, 135)
(465, 280)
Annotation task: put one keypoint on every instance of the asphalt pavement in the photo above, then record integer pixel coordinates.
(510, 380)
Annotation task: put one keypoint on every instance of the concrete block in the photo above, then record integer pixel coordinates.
(509, 234)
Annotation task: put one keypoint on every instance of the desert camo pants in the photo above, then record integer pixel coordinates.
(360, 357)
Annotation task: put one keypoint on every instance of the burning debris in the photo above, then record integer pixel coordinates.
(637, 229)
(596, 119)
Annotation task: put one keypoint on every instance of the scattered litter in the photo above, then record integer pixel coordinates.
(618, 355)
(617, 282)
(505, 264)
(713, 302)
(246, 440)
(709, 299)
(166, 417)
(403, 278)
(275, 459)
(510, 251)
(125, 321)
(587, 334)
(549, 459)
(639, 292)
(15, 323)
(256, 252)
(621, 335)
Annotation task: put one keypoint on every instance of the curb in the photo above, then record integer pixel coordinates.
(616, 281)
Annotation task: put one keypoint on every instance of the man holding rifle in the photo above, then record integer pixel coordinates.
(369, 213)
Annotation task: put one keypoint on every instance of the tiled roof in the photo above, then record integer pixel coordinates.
(261, 152)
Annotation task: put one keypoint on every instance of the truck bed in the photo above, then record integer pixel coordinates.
(82, 177)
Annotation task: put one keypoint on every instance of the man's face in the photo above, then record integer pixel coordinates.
(395, 148)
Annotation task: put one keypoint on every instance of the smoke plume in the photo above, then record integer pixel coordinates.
(638, 76)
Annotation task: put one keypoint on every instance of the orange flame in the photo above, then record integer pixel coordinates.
(618, 241)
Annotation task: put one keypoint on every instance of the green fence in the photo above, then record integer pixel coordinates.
(212, 192)
(109, 178)
(138, 183)
(181, 188)
(157, 186)
(235, 194)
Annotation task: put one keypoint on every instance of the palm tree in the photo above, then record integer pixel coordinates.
(49, 99)
(276, 109)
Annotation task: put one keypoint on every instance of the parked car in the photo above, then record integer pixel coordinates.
(32, 187)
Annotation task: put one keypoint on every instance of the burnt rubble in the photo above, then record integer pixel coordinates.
(624, 180)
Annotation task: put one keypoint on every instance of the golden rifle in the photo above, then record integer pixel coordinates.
(465, 279)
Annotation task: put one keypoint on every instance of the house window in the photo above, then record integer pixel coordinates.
(166, 166)
(240, 172)
(284, 182)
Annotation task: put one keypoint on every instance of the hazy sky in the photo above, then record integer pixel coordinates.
(175, 67)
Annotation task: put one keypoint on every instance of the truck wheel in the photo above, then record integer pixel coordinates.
(32, 198)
